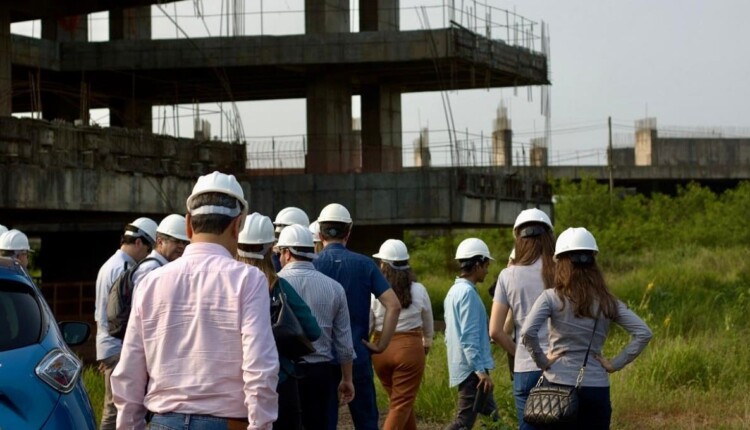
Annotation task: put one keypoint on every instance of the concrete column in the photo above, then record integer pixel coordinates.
(381, 128)
(502, 149)
(66, 29)
(64, 102)
(329, 125)
(379, 15)
(130, 24)
(132, 111)
(326, 16)
(6, 83)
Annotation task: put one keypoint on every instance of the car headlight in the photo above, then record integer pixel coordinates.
(59, 369)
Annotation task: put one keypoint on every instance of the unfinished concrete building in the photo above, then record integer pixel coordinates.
(684, 146)
(74, 187)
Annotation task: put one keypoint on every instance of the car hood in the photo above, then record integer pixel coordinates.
(25, 400)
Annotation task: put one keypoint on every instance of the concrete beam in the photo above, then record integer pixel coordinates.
(429, 197)
(47, 188)
(39, 9)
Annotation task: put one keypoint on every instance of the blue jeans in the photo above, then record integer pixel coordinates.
(594, 409)
(523, 382)
(363, 408)
(175, 421)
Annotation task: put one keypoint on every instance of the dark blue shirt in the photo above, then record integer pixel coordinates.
(360, 277)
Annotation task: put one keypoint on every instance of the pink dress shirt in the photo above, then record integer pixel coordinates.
(199, 341)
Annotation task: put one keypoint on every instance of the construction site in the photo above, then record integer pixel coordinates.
(73, 176)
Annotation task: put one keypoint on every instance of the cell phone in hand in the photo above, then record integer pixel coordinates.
(480, 400)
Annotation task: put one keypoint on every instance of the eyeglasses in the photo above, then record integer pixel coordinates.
(178, 241)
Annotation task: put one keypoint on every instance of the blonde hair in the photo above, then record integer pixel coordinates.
(265, 265)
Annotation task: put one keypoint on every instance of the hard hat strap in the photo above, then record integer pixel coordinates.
(394, 267)
(218, 210)
(310, 255)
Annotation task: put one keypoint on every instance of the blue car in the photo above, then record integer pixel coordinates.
(40, 378)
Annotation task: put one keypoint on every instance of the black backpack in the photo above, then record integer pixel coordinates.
(120, 300)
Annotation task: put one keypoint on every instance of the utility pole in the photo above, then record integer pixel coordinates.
(609, 158)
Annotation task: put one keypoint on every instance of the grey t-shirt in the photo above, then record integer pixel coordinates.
(571, 335)
(519, 287)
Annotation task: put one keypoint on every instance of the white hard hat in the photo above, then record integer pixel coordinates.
(472, 247)
(335, 213)
(575, 239)
(142, 227)
(3, 229)
(14, 240)
(392, 250)
(289, 216)
(315, 230)
(218, 182)
(295, 235)
(174, 226)
(258, 230)
(532, 215)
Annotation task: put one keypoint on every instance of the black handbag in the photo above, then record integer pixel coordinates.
(548, 405)
(291, 340)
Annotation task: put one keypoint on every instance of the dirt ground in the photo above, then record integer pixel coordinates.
(345, 421)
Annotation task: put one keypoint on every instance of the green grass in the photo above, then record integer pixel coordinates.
(692, 375)
(94, 382)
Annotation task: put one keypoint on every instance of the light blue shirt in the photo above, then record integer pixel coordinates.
(466, 332)
(106, 345)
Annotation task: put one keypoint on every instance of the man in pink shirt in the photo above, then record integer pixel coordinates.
(199, 351)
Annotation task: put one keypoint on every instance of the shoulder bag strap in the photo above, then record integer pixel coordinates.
(586, 359)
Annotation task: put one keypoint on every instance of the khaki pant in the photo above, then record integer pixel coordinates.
(109, 411)
(400, 368)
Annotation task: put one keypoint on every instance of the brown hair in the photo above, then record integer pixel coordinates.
(583, 285)
(400, 281)
(529, 249)
(265, 265)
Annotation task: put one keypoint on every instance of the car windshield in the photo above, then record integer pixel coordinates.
(20, 316)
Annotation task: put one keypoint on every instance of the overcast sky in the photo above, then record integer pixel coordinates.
(684, 62)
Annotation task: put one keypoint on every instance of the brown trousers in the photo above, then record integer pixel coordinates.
(400, 368)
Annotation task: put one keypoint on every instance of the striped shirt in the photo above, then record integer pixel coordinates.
(327, 301)
(199, 341)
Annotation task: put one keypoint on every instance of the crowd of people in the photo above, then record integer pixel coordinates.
(199, 350)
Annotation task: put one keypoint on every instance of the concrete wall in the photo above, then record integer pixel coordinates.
(623, 156)
(420, 197)
(60, 145)
(701, 151)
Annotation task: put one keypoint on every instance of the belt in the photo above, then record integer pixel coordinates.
(232, 423)
(237, 424)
